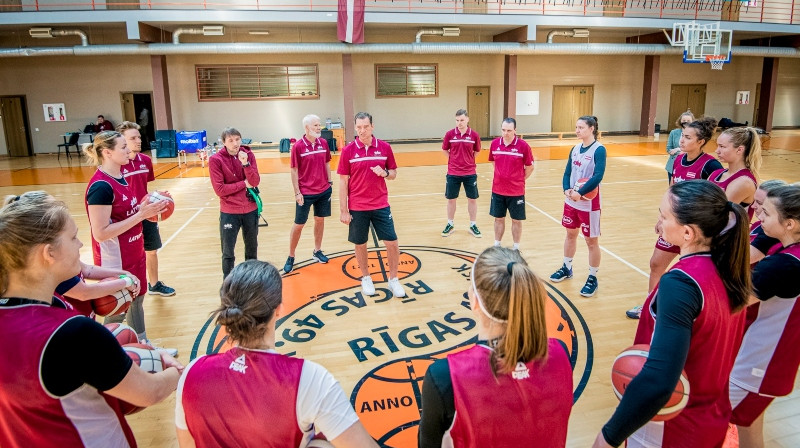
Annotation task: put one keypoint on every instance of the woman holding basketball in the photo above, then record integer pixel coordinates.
(691, 321)
(587, 161)
(61, 375)
(296, 398)
(515, 384)
(768, 359)
(692, 164)
(740, 149)
(115, 216)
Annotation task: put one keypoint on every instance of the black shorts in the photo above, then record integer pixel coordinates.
(321, 203)
(514, 204)
(381, 220)
(453, 186)
(151, 235)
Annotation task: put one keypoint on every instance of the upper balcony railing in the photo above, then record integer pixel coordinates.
(759, 11)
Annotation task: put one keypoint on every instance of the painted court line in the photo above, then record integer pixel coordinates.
(188, 221)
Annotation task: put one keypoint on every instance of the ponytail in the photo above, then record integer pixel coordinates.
(730, 252)
(748, 138)
(94, 151)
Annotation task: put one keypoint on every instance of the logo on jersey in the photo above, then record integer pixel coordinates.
(691, 175)
(238, 365)
(521, 372)
(124, 198)
(388, 343)
(577, 162)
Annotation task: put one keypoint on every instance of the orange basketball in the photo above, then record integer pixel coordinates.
(112, 304)
(590, 195)
(168, 210)
(123, 333)
(629, 363)
(149, 360)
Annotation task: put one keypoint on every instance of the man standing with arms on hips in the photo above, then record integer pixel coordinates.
(461, 145)
(513, 163)
(364, 166)
(233, 170)
(311, 179)
(138, 172)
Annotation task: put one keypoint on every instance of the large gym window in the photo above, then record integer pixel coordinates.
(256, 82)
(406, 80)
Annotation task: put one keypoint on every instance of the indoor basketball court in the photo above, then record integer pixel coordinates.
(379, 347)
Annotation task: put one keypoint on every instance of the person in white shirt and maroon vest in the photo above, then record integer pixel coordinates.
(62, 375)
(115, 217)
(461, 144)
(311, 179)
(233, 171)
(515, 384)
(587, 160)
(693, 321)
(512, 159)
(768, 359)
(252, 395)
(139, 172)
(364, 167)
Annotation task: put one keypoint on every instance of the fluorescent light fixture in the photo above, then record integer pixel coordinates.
(258, 33)
(580, 32)
(213, 30)
(40, 32)
(451, 32)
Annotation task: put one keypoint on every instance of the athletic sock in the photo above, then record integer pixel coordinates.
(472, 223)
(593, 271)
(568, 262)
(515, 246)
(496, 243)
(451, 222)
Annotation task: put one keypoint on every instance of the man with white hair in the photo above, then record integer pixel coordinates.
(311, 179)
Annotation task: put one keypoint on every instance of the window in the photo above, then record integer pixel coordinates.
(405, 80)
(250, 82)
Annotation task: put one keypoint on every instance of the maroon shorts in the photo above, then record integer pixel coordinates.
(750, 408)
(662, 245)
(588, 222)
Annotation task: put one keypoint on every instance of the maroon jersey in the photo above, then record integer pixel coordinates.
(138, 172)
(311, 161)
(716, 335)
(83, 307)
(32, 417)
(463, 148)
(366, 190)
(509, 166)
(534, 400)
(768, 359)
(226, 399)
(694, 171)
(714, 177)
(125, 251)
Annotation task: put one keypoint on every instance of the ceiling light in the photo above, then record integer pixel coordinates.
(213, 30)
(451, 32)
(580, 32)
(258, 33)
(40, 32)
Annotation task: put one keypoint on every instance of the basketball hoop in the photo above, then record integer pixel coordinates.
(717, 61)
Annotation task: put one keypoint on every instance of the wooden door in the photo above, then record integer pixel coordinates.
(478, 110)
(754, 101)
(683, 97)
(128, 108)
(570, 103)
(15, 126)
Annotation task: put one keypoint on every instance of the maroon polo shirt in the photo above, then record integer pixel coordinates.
(366, 190)
(509, 166)
(311, 161)
(463, 148)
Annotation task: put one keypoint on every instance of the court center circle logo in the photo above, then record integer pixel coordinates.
(380, 347)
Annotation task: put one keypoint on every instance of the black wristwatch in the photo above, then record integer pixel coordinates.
(387, 172)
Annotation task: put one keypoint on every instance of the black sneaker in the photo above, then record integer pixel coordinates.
(448, 229)
(319, 256)
(287, 268)
(635, 312)
(561, 274)
(160, 289)
(473, 229)
(590, 287)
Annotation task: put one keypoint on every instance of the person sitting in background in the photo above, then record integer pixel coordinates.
(102, 125)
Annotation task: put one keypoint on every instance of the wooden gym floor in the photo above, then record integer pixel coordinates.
(378, 347)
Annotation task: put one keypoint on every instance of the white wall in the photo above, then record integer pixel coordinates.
(787, 94)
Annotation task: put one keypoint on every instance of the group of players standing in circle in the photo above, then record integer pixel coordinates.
(693, 318)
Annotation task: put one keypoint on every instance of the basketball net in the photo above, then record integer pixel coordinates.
(717, 61)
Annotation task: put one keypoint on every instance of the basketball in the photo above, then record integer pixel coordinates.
(123, 333)
(629, 363)
(168, 210)
(112, 304)
(149, 360)
(590, 195)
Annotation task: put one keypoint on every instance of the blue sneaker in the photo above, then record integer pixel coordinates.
(635, 312)
(319, 256)
(561, 274)
(289, 265)
(590, 287)
(160, 289)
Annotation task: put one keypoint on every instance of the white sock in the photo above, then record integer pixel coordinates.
(593, 271)
(450, 221)
(568, 262)
(496, 243)
(366, 277)
(472, 223)
(515, 246)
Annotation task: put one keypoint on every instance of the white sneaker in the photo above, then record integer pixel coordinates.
(367, 288)
(170, 351)
(397, 288)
